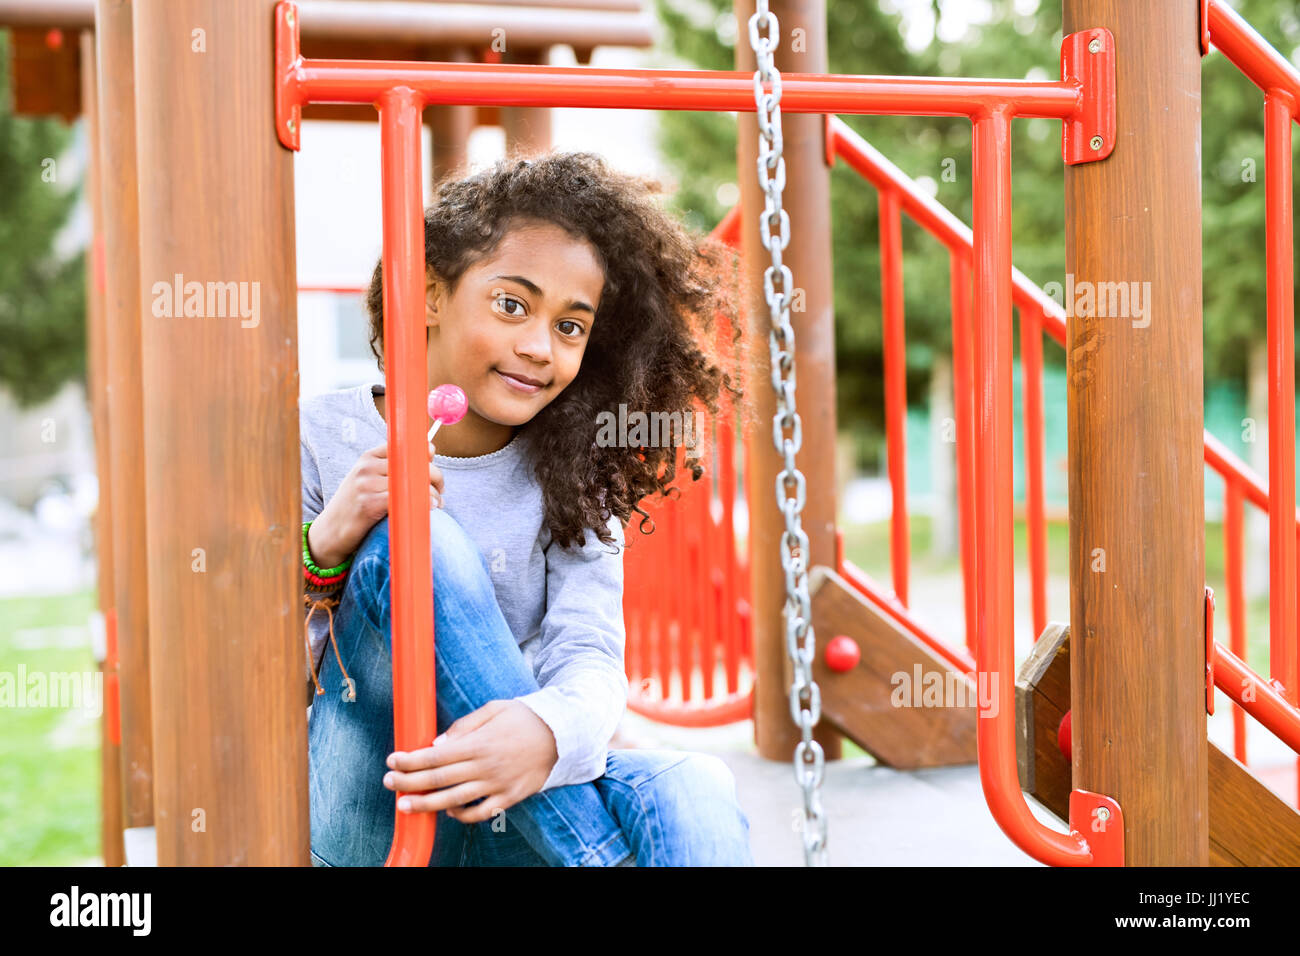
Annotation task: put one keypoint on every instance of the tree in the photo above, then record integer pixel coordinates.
(42, 298)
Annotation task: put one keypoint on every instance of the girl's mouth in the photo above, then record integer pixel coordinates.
(518, 385)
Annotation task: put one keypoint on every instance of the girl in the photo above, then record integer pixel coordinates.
(557, 289)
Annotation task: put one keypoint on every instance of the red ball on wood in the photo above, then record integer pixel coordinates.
(842, 653)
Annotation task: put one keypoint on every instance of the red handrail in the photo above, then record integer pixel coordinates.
(1281, 83)
(1279, 80)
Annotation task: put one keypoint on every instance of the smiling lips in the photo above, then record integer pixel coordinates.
(521, 383)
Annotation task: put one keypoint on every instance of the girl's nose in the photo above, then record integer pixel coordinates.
(535, 344)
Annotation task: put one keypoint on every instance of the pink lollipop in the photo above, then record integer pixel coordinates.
(447, 404)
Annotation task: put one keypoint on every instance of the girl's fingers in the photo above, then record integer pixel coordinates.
(442, 799)
(491, 805)
(435, 778)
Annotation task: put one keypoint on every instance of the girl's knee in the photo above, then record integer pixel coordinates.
(457, 562)
(712, 773)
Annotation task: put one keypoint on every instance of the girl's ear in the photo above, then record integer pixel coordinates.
(432, 295)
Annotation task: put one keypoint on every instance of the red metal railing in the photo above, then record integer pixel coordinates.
(1040, 314)
(1083, 99)
(686, 596)
(1279, 80)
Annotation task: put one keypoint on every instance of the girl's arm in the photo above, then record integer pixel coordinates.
(579, 661)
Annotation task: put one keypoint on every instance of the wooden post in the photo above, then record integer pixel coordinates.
(122, 270)
(97, 344)
(221, 438)
(451, 127)
(1137, 523)
(807, 200)
(528, 129)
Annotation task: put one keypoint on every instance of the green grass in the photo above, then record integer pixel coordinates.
(49, 757)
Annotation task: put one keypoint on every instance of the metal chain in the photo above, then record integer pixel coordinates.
(805, 697)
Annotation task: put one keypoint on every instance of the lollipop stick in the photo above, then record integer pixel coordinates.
(437, 423)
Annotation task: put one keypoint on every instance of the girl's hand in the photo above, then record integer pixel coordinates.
(503, 752)
(360, 502)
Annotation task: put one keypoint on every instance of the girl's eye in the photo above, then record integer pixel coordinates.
(577, 327)
(506, 298)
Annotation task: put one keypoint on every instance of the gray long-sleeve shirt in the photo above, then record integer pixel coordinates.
(564, 606)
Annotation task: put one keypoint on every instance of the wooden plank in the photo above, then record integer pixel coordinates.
(110, 829)
(1135, 409)
(126, 403)
(1249, 825)
(221, 441)
(874, 704)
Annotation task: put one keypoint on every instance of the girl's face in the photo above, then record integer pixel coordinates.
(514, 332)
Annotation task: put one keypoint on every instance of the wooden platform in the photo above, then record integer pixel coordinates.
(877, 815)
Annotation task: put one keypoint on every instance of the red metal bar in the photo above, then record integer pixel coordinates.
(489, 84)
(994, 568)
(891, 267)
(406, 381)
(1279, 108)
(1262, 699)
(935, 219)
(1233, 563)
(1237, 40)
(1031, 370)
(964, 416)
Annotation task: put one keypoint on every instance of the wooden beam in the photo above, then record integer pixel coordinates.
(807, 201)
(1249, 825)
(873, 704)
(1136, 489)
(451, 127)
(221, 427)
(527, 129)
(125, 402)
(110, 830)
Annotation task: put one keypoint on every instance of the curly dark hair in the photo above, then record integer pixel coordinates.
(653, 345)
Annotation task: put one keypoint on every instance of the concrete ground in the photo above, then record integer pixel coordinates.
(876, 816)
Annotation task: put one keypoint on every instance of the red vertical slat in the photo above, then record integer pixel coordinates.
(1031, 368)
(1232, 560)
(964, 413)
(891, 267)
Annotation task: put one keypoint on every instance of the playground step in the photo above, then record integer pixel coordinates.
(883, 704)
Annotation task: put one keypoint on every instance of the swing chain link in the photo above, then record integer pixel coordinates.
(805, 696)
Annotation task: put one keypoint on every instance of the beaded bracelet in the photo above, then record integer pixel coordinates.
(310, 566)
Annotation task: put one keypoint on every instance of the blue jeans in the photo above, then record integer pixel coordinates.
(651, 808)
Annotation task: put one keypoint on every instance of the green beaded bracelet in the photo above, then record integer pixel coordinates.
(310, 565)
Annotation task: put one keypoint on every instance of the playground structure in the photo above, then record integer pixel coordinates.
(179, 642)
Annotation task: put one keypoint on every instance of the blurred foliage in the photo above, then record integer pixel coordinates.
(1021, 39)
(42, 298)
